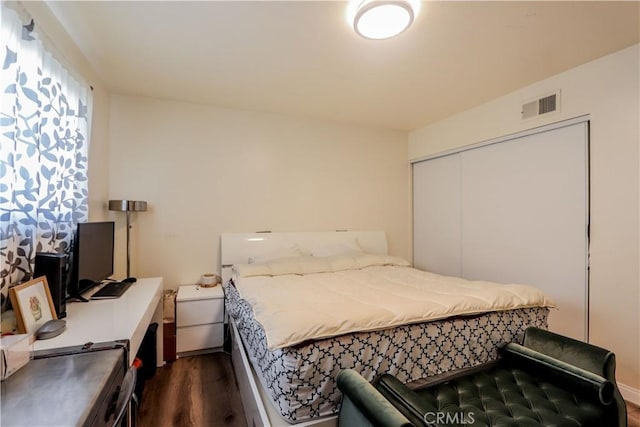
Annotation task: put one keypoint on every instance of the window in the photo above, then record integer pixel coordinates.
(44, 131)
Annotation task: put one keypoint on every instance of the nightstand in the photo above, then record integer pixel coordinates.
(199, 319)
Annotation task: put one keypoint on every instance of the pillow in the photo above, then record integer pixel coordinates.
(281, 266)
(299, 265)
(293, 251)
(369, 260)
(302, 265)
(345, 247)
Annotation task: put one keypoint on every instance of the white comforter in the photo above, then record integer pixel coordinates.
(293, 308)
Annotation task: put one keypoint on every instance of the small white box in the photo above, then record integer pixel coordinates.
(14, 354)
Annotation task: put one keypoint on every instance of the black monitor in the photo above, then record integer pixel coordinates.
(92, 255)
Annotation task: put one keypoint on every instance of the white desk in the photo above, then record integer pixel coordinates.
(124, 318)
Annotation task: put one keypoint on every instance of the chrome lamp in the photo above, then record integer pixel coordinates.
(128, 206)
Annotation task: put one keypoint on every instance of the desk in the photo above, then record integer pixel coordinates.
(124, 318)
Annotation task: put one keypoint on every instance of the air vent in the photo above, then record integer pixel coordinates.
(546, 104)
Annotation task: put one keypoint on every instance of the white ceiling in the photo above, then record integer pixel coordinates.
(302, 58)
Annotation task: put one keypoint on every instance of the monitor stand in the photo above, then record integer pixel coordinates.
(85, 284)
(78, 297)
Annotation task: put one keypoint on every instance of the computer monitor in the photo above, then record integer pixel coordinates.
(92, 255)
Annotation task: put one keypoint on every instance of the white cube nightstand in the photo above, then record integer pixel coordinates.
(199, 319)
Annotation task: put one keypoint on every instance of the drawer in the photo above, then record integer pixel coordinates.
(199, 312)
(108, 392)
(190, 338)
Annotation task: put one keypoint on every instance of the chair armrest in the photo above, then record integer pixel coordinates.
(571, 377)
(363, 405)
(408, 402)
(583, 355)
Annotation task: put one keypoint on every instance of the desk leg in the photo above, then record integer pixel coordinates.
(158, 315)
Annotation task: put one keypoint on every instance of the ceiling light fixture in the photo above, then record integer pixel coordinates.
(383, 19)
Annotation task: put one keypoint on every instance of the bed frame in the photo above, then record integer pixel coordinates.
(259, 410)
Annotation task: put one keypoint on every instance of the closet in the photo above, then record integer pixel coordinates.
(511, 210)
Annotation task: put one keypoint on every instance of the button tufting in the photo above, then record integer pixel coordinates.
(508, 397)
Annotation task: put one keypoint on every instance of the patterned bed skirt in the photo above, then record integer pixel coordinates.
(300, 380)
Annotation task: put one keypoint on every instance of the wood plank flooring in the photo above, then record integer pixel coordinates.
(633, 414)
(202, 391)
(191, 392)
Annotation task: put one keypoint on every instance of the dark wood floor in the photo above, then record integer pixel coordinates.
(633, 413)
(202, 391)
(193, 391)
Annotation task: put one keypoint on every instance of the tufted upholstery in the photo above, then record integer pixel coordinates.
(504, 397)
(550, 381)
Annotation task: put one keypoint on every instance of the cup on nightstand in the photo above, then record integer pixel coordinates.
(209, 280)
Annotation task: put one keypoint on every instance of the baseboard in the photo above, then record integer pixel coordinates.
(630, 394)
(198, 352)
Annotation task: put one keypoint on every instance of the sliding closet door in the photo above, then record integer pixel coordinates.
(524, 220)
(436, 215)
(523, 217)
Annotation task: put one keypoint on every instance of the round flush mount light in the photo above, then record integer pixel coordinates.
(382, 19)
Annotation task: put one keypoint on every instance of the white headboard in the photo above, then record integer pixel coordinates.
(237, 248)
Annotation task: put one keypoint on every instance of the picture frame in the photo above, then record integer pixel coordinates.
(32, 304)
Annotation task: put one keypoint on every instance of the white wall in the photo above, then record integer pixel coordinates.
(608, 90)
(207, 170)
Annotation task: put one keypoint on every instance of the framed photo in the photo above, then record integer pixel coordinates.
(32, 304)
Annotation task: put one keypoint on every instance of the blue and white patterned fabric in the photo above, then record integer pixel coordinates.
(44, 130)
(300, 380)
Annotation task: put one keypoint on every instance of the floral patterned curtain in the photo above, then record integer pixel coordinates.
(44, 130)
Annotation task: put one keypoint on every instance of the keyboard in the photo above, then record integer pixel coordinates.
(112, 290)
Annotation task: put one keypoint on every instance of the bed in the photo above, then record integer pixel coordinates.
(287, 374)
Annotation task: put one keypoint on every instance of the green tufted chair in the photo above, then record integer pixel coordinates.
(549, 380)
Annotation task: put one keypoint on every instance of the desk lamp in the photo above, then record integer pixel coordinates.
(128, 206)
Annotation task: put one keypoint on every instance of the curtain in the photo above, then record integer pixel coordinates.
(44, 131)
